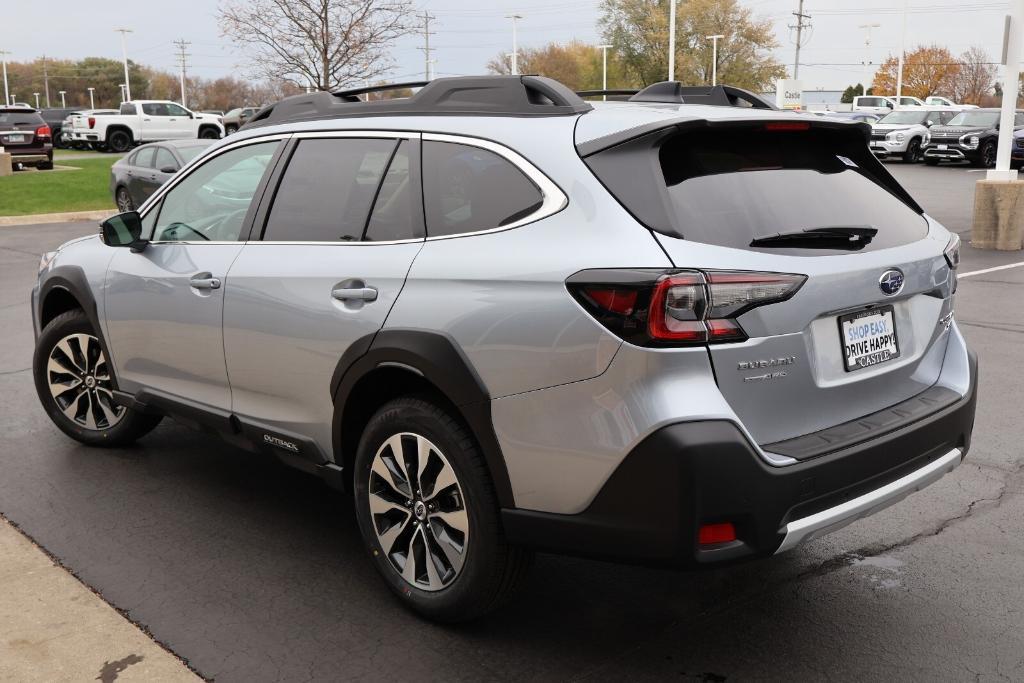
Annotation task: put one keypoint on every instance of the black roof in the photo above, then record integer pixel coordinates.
(463, 96)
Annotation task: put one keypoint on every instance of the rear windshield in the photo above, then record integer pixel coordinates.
(11, 118)
(728, 187)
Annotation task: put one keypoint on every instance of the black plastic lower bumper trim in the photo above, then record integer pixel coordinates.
(693, 473)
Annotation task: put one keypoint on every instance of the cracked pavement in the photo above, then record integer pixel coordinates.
(250, 571)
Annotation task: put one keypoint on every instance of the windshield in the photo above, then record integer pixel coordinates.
(975, 118)
(909, 117)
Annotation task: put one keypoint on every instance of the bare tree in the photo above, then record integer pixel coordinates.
(976, 77)
(325, 44)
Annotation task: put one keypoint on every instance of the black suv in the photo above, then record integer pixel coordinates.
(971, 135)
(25, 135)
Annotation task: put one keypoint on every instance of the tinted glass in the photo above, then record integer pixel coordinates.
(11, 118)
(164, 159)
(155, 109)
(143, 158)
(975, 118)
(466, 189)
(731, 187)
(327, 190)
(127, 108)
(210, 204)
(397, 212)
(174, 110)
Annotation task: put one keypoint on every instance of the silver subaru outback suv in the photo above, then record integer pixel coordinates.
(685, 329)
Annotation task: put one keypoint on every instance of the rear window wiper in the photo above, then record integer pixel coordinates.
(849, 237)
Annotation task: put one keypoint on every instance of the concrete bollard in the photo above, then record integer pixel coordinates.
(998, 215)
(5, 163)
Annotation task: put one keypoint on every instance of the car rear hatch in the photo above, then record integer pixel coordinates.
(865, 329)
(18, 130)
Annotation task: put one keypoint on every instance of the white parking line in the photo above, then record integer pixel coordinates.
(991, 270)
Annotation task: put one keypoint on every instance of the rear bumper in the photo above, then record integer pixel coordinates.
(693, 473)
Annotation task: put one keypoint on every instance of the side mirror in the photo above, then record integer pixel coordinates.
(169, 169)
(123, 230)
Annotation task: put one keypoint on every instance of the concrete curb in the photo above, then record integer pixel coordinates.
(69, 217)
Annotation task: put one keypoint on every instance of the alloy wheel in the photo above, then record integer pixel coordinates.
(418, 511)
(80, 383)
(124, 201)
(989, 153)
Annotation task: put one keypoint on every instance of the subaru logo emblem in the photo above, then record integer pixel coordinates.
(891, 282)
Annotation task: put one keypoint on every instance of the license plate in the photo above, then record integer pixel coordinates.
(868, 338)
(943, 146)
(14, 138)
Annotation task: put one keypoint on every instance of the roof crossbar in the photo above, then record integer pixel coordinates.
(674, 92)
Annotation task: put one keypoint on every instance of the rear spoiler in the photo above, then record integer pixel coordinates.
(651, 135)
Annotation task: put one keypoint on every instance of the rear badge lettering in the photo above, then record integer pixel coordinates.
(769, 363)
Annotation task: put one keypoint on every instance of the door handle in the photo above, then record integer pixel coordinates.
(204, 281)
(354, 294)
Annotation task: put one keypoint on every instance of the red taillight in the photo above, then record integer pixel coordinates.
(787, 125)
(620, 301)
(92, 122)
(649, 307)
(43, 132)
(723, 532)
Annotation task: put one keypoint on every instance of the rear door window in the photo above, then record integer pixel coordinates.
(328, 190)
(164, 160)
(469, 189)
(143, 158)
(398, 209)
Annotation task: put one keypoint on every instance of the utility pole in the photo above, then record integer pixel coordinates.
(515, 43)
(92, 102)
(46, 84)
(604, 69)
(802, 22)
(714, 57)
(182, 44)
(428, 72)
(3, 58)
(903, 48)
(672, 40)
(63, 104)
(124, 53)
(867, 56)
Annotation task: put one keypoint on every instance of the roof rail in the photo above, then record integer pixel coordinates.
(674, 92)
(463, 96)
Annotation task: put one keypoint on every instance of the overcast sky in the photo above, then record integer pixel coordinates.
(468, 34)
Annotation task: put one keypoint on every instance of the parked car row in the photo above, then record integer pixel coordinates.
(937, 135)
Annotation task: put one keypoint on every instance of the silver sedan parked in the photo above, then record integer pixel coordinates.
(137, 175)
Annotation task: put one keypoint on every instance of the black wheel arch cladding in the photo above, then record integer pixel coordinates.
(437, 359)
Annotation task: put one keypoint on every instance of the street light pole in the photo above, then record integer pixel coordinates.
(37, 99)
(124, 54)
(671, 40)
(867, 54)
(714, 57)
(1011, 72)
(121, 86)
(92, 103)
(604, 69)
(3, 58)
(63, 104)
(515, 43)
(903, 49)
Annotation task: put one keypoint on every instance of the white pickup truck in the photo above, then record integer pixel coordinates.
(142, 121)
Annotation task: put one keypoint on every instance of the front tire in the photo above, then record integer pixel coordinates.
(228, 130)
(986, 156)
(124, 200)
(75, 385)
(428, 514)
(209, 133)
(913, 153)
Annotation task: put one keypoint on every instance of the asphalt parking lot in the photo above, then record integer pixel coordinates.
(250, 571)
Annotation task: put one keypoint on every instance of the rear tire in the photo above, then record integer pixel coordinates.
(446, 572)
(45, 166)
(119, 142)
(209, 133)
(74, 384)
